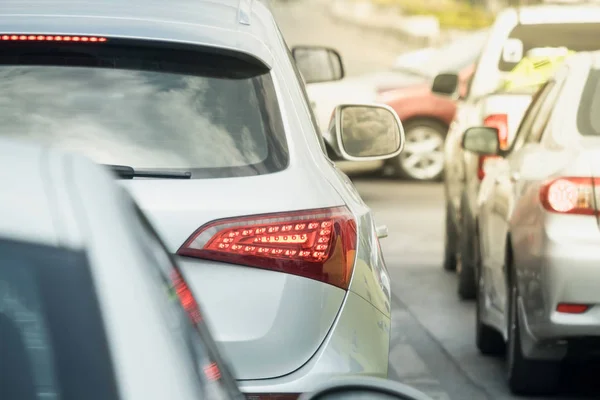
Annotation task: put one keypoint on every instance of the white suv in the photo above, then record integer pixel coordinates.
(199, 108)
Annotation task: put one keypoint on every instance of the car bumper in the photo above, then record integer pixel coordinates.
(560, 266)
(358, 344)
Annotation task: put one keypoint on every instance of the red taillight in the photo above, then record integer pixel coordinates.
(273, 396)
(500, 122)
(11, 37)
(186, 298)
(317, 244)
(569, 195)
(568, 308)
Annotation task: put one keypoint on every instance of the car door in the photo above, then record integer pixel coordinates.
(507, 185)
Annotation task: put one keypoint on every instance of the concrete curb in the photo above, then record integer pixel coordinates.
(420, 30)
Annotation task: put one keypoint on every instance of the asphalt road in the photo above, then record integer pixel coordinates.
(433, 336)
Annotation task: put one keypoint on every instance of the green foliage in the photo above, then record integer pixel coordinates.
(451, 14)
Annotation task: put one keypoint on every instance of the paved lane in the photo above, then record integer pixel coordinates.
(433, 344)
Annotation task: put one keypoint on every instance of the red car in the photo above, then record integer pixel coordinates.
(426, 117)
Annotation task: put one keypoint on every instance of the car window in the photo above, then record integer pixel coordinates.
(525, 37)
(215, 115)
(530, 116)
(214, 374)
(588, 117)
(53, 343)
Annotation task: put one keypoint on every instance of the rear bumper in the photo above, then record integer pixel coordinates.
(358, 344)
(562, 267)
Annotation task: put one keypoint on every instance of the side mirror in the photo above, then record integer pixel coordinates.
(353, 388)
(318, 64)
(481, 140)
(446, 84)
(366, 132)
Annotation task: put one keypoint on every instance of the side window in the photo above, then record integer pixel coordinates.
(543, 114)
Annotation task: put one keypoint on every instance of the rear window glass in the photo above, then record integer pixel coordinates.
(52, 340)
(573, 36)
(211, 114)
(588, 113)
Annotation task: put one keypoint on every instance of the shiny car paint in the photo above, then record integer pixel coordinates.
(554, 256)
(282, 333)
(65, 201)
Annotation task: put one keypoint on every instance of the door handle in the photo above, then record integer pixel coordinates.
(382, 231)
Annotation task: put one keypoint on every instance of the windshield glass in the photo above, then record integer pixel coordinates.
(524, 38)
(588, 115)
(52, 340)
(146, 109)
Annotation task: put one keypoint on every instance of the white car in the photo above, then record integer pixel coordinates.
(199, 107)
(91, 303)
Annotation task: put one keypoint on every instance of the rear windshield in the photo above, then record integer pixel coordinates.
(588, 113)
(52, 340)
(573, 36)
(214, 115)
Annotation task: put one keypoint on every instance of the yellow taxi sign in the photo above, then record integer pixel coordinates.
(535, 68)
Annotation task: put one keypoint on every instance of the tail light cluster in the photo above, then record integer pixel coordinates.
(570, 195)
(317, 244)
(500, 122)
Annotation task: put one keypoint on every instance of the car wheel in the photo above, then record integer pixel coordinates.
(423, 156)
(449, 243)
(489, 341)
(526, 377)
(469, 243)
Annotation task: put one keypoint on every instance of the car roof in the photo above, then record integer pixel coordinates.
(239, 25)
(41, 194)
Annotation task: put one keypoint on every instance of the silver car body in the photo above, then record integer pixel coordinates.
(555, 256)
(64, 201)
(281, 332)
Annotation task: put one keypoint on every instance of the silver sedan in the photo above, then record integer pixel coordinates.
(538, 234)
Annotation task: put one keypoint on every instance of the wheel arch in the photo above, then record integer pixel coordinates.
(414, 119)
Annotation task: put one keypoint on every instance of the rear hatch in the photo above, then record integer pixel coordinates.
(268, 323)
(178, 112)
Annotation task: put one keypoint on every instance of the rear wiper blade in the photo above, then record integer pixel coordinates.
(127, 172)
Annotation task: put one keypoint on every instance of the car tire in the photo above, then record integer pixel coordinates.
(450, 239)
(525, 376)
(465, 270)
(489, 341)
(415, 130)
